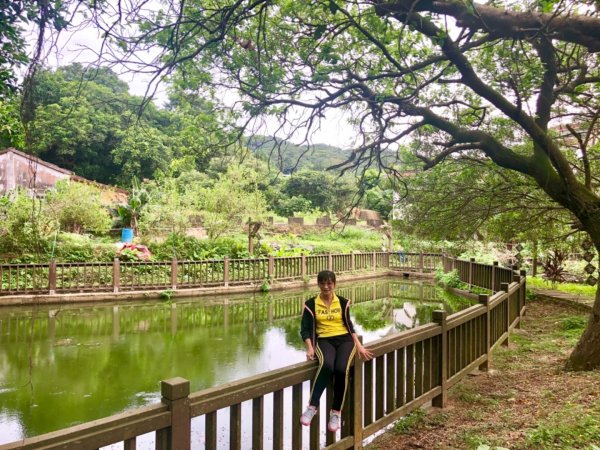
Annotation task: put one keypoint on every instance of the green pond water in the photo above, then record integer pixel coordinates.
(69, 364)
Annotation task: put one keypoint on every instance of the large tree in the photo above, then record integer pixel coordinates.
(452, 75)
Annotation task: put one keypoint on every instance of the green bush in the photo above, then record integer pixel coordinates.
(193, 249)
(448, 279)
(77, 208)
(576, 323)
(25, 231)
(72, 247)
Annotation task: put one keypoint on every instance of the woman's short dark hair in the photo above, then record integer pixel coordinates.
(325, 276)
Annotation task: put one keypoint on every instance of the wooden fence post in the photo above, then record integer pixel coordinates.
(471, 262)
(421, 262)
(504, 287)
(374, 261)
(303, 266)
(329, 261)
(174, 273)
(439, 317)
(352, 262)
(226, 271)
(517, 279)
(52, 277)
(175, 394)
(523, 293)
(116, 274)
(484, 300)
(271, 268)
(494, 268)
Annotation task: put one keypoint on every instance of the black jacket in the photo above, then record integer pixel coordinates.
(308, 327)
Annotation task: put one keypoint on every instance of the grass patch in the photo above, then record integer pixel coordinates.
(570, 288)
(476, 439)
(466, 394)
(571, 328)
(572, 323)
(571, 427)
(409, 423)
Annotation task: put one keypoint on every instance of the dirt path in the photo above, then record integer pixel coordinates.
(526, 401)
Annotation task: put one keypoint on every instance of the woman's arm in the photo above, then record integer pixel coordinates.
(363, 353)
(310, 350)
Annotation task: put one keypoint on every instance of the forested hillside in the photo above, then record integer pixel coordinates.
(288, 157)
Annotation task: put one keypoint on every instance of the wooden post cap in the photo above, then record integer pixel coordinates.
(175, 388)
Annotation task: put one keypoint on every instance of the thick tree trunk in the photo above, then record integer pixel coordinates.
(586, 355)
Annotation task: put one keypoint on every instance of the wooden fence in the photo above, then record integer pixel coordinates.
(410, 369)
(116, 276)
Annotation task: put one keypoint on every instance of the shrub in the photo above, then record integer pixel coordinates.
(77, 208)
(553, 266)
(448, 279)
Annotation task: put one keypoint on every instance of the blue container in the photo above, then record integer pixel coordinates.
(127, 235)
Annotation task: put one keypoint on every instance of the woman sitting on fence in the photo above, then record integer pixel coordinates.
(329, 335)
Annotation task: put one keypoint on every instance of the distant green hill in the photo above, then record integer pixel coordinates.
(289, 157)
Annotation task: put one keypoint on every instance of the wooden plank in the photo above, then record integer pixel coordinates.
(161, 441)
(404, 339)
(315, 432)
(102, 432)
(410, 374)
(379, 387)
(258, 411)
(427, 365)
(368, 393)
(278, 419)
(210, 431)
(436, 356)
(418, 369)
(296, 412)
(235, 427)
(464, 316)
(390, 364)
(342, 444)
(329, 436)
(400, 377)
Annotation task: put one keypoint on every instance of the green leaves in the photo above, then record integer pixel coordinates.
(333, 6)
(319, 31)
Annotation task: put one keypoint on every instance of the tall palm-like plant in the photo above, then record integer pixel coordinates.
(129, 213)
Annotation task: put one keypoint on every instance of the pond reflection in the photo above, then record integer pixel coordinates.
(64, 365)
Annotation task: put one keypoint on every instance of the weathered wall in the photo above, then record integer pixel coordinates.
(17, 170)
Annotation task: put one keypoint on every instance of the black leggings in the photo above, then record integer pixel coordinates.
(335, 356)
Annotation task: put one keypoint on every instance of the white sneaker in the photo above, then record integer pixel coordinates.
(307, 416)
(335, 421)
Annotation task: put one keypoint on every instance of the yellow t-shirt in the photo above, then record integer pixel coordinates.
(329, 320)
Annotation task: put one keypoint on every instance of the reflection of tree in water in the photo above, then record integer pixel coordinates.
(373, 315)
(399, 314)
(291, 329)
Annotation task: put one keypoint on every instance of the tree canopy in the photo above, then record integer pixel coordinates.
(499, 80)
(85, 120)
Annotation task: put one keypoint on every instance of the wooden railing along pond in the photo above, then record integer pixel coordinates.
(410, 369)
(116, 276)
